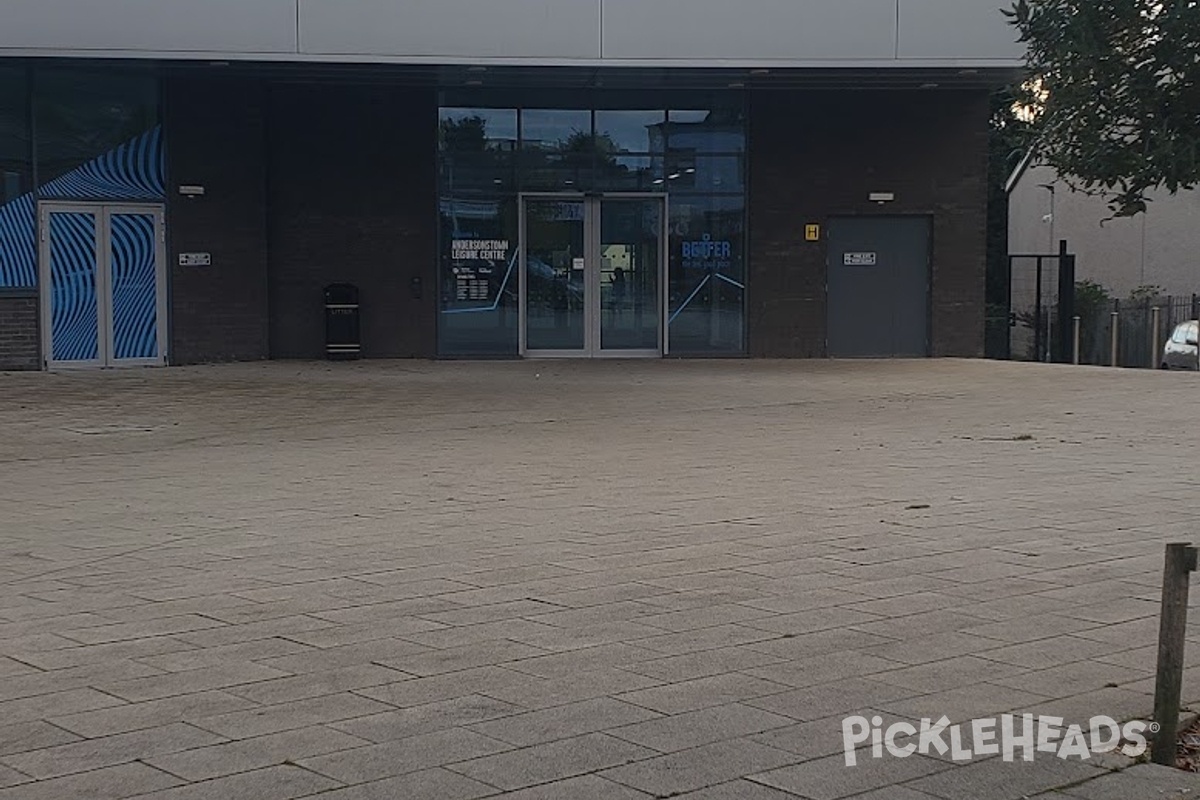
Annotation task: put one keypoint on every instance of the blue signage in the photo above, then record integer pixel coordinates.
(707, 254)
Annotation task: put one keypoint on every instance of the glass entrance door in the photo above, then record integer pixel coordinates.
(592, 275)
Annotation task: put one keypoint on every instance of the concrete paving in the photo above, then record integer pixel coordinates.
(578, 580)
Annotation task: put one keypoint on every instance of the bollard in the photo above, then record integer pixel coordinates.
(1116, 322)
(1172, 633)
(1076, 351)
(1155, 319)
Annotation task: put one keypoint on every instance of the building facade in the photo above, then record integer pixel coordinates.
(182, 179)
(1154, 251)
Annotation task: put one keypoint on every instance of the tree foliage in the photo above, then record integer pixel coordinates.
(1115, 88)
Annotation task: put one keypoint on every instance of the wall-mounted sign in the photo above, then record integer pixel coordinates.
(860, 259)
(882, 197)
(195, 259)
(578, 263)
(191, 190)
(812, 233)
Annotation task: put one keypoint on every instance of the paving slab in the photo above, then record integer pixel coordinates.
(566, 579)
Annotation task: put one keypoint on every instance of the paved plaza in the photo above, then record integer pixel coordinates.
(586, 581)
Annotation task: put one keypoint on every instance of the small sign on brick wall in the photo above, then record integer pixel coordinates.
(860, 259)
(195, 259)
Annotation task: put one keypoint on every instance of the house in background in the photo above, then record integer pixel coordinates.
(1159, 248)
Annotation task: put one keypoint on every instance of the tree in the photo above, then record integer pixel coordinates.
(464, 135)
(1115, 90)
(1007, 144)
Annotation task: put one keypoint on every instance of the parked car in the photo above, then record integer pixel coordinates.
(1182, 351)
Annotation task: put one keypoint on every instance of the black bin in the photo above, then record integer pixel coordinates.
(343, 340)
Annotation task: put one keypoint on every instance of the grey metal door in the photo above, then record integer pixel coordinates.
(879, 287)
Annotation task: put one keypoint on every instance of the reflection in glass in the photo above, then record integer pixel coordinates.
(83, 115)
(721, 130)
(474, 130)
(478, 276)
(707, 274)
(630, 173)
(629, 131)
(555, 275)
(477, 147)
(554, 129)
(560, 151)
(630, 231)
(705, 173)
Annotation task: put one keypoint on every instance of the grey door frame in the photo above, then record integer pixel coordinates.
(928, 218)
(103, 213)
(592, 204)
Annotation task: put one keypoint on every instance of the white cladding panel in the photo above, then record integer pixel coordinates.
(167, 26)
(956, 29)
(754, 30)
(596, 32)
(532, 29)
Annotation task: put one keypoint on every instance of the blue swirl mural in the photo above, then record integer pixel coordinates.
(18, 243)
(132, 171)
(74, 319)
(134, 286)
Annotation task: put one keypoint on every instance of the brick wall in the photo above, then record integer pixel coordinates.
(215, 135)
(352, 198)
(19, 331)
(819, 154)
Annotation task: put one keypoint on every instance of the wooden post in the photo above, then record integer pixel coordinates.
(1076, 335)
(1115, 340)
(1155, 344)
(1172, 633)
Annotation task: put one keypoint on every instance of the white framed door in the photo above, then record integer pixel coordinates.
(593, 276)
(103, 277)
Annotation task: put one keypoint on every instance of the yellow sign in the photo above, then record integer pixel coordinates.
(812, 233)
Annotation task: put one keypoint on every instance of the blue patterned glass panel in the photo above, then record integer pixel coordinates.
(134, 286)
(18, 243)
(74, 324)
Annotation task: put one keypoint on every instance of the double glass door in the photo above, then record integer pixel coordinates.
(592, 275)
(103, 278)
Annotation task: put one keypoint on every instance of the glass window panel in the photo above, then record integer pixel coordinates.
(556, 294)
(491, 172)
(475, 130)
(18, 249)
(478, 281)
(707, 274)
(630, 131)
(557, 172)
(83, 116)
(556, 130)
(630, 270)
(714, 131)
(705, 173)
(629, 173)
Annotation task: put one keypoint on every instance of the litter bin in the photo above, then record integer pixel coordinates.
(342, 333)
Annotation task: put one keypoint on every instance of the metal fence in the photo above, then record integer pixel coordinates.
(1142, 328)
(1041, 307)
